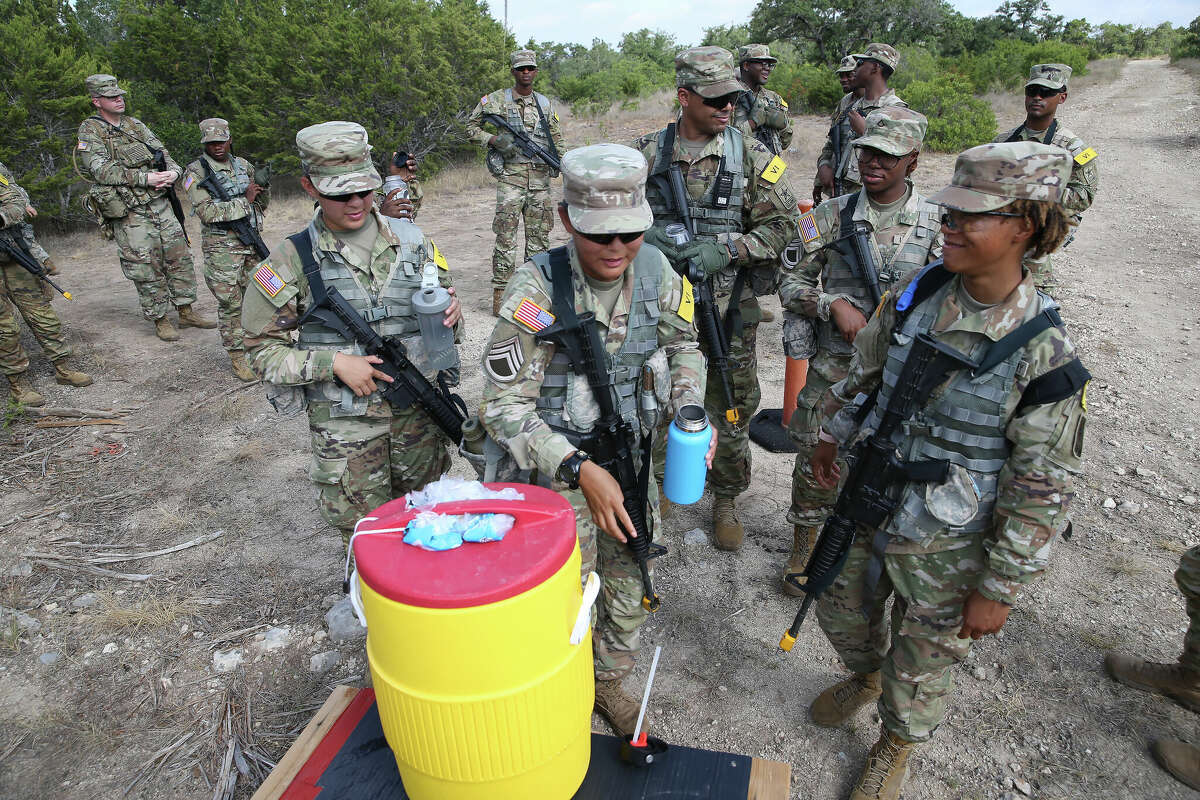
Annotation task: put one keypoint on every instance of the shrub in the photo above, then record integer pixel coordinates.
(806, 87)
(957, 119)
(916, 64)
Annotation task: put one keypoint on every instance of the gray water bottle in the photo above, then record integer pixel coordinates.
(430, 303)
(393, 182)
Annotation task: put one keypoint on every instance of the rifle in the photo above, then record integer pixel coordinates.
(408, 386)
(527, 145)
(707, 318)
(247, 234)
(835, 137)
(17, 252)
(761, 133)
(160, 164)
(876, 473)
(858, 253)
(609, 443)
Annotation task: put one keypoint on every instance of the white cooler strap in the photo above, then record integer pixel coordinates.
(591, 590)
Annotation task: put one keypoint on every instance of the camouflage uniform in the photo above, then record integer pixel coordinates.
(1012, 469)
(227, 262)
(758, 222)
(846, 170)
(1085, 173)
(907, 237)
(531, 384)
(150, 243)
(523, 187)
(764, 111)
(364, 451)
(31, 243)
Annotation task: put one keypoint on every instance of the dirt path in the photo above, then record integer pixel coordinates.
(133, 697)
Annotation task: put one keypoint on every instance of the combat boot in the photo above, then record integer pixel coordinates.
(50, 267)
(497, 296)
(1176, 681)
(886, 765)
(164, 330)
(728, 532)
(618, 708)
(22, 392)
(190, 319)
(241, 370)
(804, 539)
(840, 702)
(1180, 759)
(70, 377)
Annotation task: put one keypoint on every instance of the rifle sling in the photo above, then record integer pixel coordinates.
(1015, 136)
(545, 126)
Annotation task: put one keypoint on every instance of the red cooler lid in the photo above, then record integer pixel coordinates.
(478, 573)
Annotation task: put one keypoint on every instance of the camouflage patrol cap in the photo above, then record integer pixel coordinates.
(755, 52)
(895, 130)
(337, 158)
(102, 85)
(848, 64)
(1052, 76)
(214, 129)
(883, 53)
(993, 175)
(524, 58)
(604, 187)
(709, 71)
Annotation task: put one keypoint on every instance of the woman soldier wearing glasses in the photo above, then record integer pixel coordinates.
(1009, 432)
(365, 452)
(534, 390)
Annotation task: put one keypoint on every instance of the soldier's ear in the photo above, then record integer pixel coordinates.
(916, 156)
(307, 185)
(682, 94)
(565, 219)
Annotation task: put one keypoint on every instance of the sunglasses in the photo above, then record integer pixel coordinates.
(717, 102)
(962, 220)
(525, 69)
(885, 160)
(1042, 91)
(346, 198)
(606, 238)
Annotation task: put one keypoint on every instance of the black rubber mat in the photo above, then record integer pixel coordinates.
(767, 433)
(364, 769)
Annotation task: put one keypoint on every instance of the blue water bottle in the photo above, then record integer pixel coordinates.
(687, 444)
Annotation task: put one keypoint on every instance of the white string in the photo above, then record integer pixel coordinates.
(584, 618)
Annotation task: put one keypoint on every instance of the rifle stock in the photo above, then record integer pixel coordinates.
(247, 234)
(17, 252)
(160, 164)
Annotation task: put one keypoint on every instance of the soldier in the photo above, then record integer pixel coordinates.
(870, 77)
(228, 261)
(27, 294)
(364, 451)
(744, 215)
(845, 76)
(1045, 91)
(523, 182)
(903, 234)
(117, 154)
(27, 236)
(759, 112)
(533, 385)
(1008, 435)
(401, 202)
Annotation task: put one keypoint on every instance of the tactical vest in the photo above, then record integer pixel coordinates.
(562, 389)
(127, 149)
(389, 312)
(539, 133)
(711, 217)
(234, 186)
(964, 423)
(838, 278)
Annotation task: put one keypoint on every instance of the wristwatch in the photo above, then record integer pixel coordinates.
(733, 251)
(568, 470)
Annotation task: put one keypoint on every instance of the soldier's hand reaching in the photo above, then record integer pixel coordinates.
(407, 172)
(605, 500)
(397, 206)
(848, 319)
(358, 372)
(453, 311)
(252, 192)
(825, 179)
(982, 616)
(858, 123)
(160, 180)
(824, 466)
(31, 211)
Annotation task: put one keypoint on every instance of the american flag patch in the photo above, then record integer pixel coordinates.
(271, 283)
(808, 228)
(187, 183)
(533, 316)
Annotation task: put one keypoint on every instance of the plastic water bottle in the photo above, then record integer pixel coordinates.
(430, 303)
(687, 444)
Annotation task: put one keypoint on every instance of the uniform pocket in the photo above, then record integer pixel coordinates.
(327, 471)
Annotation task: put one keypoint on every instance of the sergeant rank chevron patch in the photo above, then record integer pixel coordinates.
(504, 360)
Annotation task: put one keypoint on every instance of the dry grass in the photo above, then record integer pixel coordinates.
(1189, 65)
(464, 177)
(149, 611)
(1101, 640)
(1101, 72)
(1129, 567)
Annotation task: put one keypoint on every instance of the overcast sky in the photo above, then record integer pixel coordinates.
(686, 19)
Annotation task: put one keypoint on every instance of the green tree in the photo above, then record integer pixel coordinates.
(829, 29)
(957, 119)
(1187, 43)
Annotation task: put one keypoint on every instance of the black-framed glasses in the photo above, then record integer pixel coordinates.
(717, 102)
(346, 198)
(759, 61)
(962, 220)
(885, 160)
(1042, 91)
(526, 68)
(606, 238)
